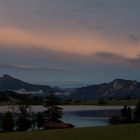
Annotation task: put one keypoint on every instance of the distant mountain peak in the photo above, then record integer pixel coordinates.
(119, 83)
(7, 76)
(8, 82)
(119, 80)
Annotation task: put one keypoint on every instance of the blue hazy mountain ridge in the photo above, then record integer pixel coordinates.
(119, 88)
(8, 82)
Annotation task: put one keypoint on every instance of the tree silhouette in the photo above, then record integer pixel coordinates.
(137, 112)
(23, 121)
(129, 115)
(126, 114)
(8, 122)
(39, 120)
(53, 112)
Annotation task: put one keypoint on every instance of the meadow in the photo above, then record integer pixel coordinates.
(118, 132)
(131, 102)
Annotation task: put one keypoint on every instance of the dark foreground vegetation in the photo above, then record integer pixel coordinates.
(118, 132)
(24, 119)
(127, 115)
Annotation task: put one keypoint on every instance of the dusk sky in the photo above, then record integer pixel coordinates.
(70, 42)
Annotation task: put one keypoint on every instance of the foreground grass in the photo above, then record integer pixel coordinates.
(120, 132)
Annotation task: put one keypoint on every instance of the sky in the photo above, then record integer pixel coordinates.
(70, 42)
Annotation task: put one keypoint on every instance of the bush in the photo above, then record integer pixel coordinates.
(115, 119)
(23, 124)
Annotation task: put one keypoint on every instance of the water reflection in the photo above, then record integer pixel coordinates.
(89, 118)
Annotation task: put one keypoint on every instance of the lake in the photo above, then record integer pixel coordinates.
(84, 121)
(90, 116)
(80, 116)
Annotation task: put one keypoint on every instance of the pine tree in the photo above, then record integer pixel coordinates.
(53, 113)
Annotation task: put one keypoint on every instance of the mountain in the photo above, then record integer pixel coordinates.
(118, 88)
(8, 82)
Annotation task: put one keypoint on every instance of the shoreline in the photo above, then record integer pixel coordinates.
(66, 108)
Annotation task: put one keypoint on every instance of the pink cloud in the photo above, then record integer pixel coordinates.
(76, 43)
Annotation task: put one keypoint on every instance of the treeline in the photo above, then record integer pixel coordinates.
(128, 115)
(11, 97)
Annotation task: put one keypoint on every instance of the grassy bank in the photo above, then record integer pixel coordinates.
(112, 102)
(120, 132)
(123, 102)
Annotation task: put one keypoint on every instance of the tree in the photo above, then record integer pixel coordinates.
(126, 114)
(8, 122)
(39, 119)
(53, 113)
(129, 115)
(137, 112)
(51, 100)
(23, 121)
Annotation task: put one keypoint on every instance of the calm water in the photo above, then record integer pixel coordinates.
(89, 118)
